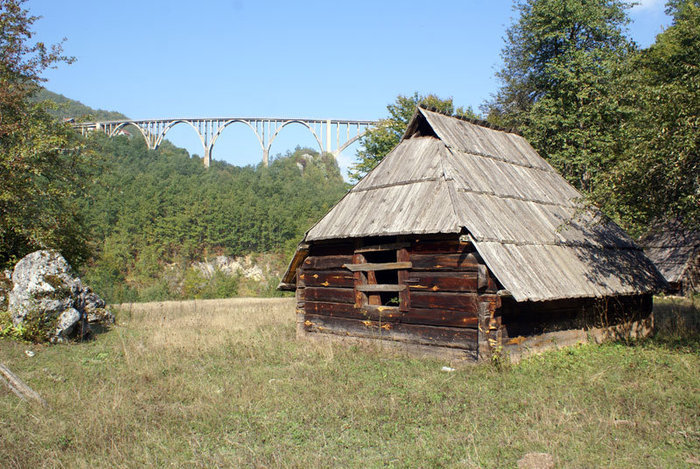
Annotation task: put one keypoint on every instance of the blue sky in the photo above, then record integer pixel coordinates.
(315, 59)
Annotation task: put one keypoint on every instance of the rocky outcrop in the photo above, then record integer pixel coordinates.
(47, 293)
(231, 266)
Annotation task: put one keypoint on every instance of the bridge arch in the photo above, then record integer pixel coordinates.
(115, 131)
(350, 142)
(285, 124)
(221, 128)
(172, 124)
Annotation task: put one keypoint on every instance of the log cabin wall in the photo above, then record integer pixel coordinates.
(433, 291)
(534, 318)
(429, 291)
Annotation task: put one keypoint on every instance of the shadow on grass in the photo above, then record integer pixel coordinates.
(99, 329)
(676, 324)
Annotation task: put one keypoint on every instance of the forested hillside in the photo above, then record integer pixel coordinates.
(151, 214)
(66, 108)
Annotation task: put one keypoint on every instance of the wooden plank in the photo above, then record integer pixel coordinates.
(431, 317)
(332, 295)
(331, 278)
(440, 317)
(372, 267)
(382, 247)
(453, 337)
(375, 298)
(359, 278)
(326, 262)
(289, 277)
(439, 300)
(441, 262)
(375, 313)
(483, 277)
(381, 288)
(404, 298)
(392, 314)
(442, 281)
(18, 386)
(333, 309)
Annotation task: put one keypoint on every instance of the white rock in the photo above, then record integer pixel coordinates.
(44, 286)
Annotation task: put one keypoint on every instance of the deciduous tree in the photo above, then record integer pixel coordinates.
(40, 159)
(561, 60)
(659, 174)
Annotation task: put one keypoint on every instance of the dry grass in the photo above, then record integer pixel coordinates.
(204, 324)
(224, 383)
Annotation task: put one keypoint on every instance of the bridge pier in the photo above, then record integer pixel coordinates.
(207, 156)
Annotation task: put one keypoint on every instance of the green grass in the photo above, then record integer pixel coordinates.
(225, 383)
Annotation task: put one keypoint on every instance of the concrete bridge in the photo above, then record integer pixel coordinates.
(332, 135)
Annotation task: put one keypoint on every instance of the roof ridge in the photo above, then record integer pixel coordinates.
(449, 181)
(472, 120)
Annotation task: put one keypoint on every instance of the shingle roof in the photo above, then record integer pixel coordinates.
(673, 248)
(526, 221)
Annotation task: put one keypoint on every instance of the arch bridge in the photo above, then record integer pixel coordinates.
(332, 135)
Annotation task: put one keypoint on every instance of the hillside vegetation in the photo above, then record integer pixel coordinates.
(66, 108)
(151, 214)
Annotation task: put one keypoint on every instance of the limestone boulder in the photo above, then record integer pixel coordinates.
(46, 291)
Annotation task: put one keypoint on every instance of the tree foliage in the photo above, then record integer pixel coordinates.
(380, 140)
(620, 124)
(659, 174)
(40, 160)
(65, 108)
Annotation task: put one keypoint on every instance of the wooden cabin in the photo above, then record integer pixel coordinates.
(675, 249)
(464, 241)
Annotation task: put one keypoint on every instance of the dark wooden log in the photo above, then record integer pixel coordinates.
(437, 246)
(404, 298)
(442, 281)
(439, 300)
(371, 279)
(333, 249)
(334, 309)
(409, 333)
(331, 278)
(360, 278)
(381, 288)
(393, 314)
(440, 262)
(440, 317)
(332, 295)
(382, 247)
(326, 262)
(373, 267)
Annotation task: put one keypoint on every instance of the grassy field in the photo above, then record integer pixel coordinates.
(224, 383)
